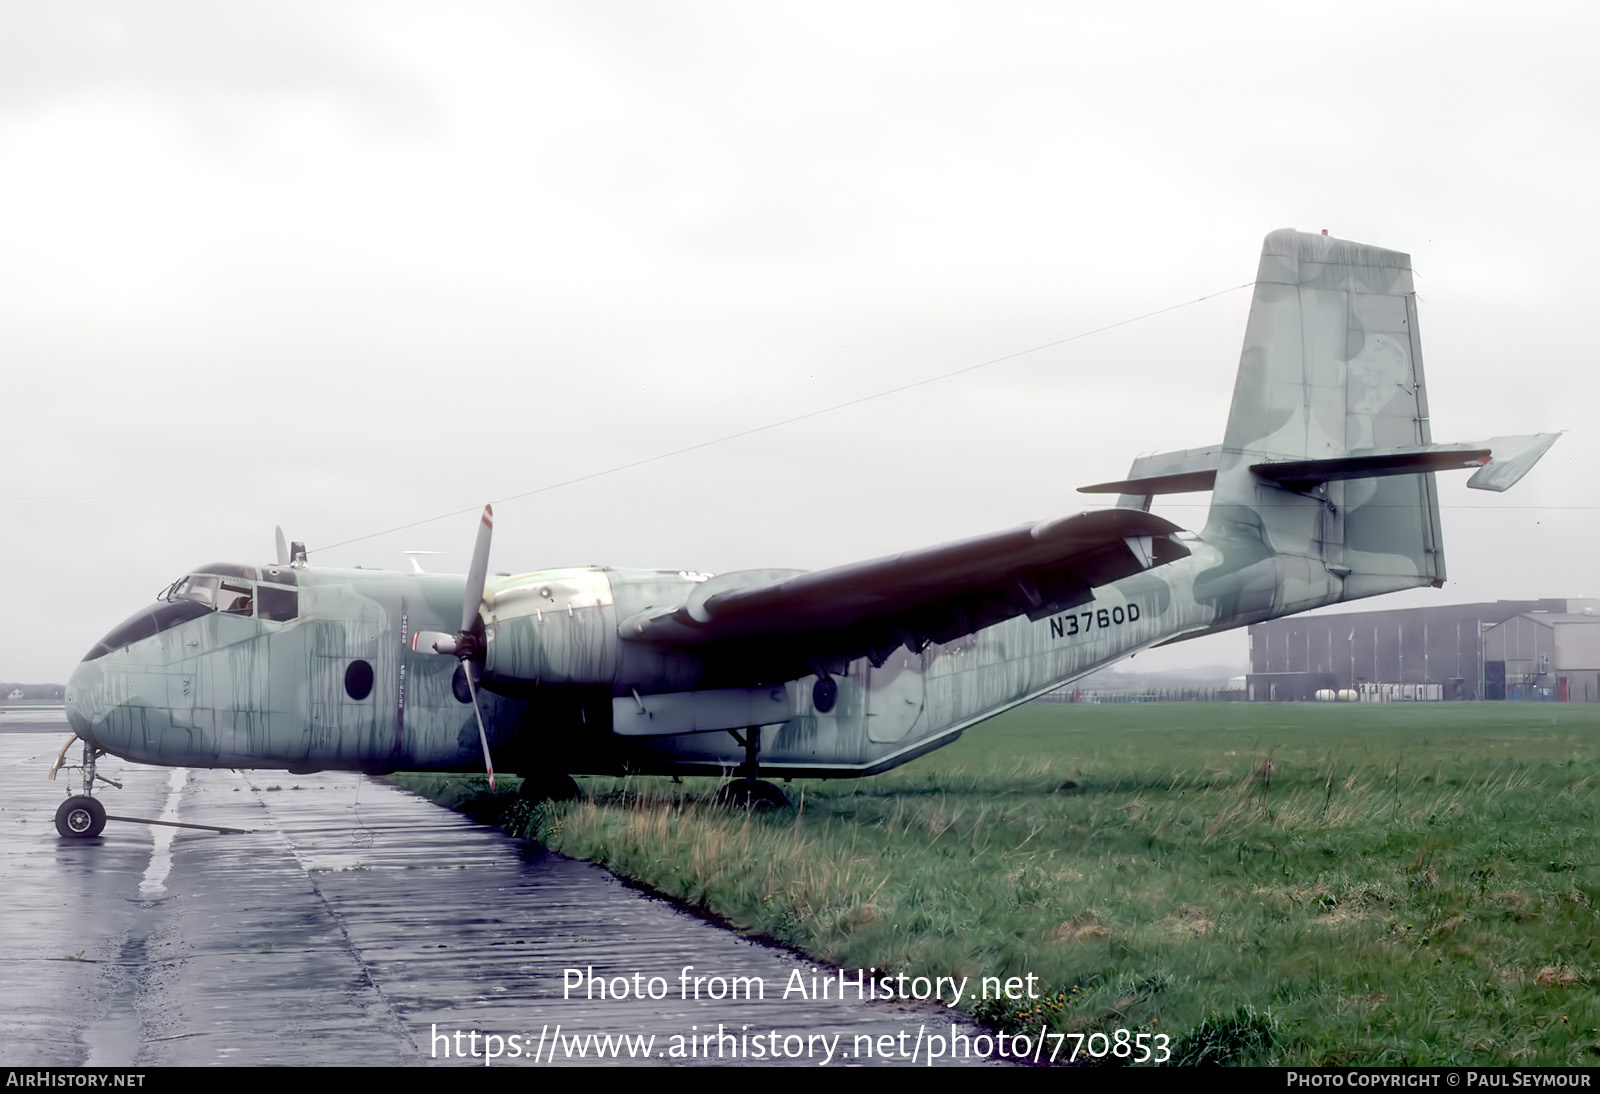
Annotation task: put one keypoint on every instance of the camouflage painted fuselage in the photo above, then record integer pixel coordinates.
(227, 691)
(1323, 492)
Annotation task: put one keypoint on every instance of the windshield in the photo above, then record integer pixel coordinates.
(234, 590)
(223, 594)
(201, 588)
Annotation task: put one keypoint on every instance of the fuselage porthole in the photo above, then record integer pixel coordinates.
(358, 680)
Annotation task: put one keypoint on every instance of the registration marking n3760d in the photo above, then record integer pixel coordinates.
(1095, 619)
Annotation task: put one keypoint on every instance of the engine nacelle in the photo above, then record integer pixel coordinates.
(551, 629)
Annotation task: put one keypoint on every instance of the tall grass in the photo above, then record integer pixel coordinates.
(1290, 884)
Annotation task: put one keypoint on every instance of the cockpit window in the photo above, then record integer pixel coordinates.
(280, 605)
(220, 587)
(234, 597)
(200, 588)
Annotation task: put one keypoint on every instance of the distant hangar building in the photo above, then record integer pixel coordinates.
(1504, 649)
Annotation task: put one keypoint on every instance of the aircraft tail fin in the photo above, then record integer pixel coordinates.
(1328, 460)
(1323, 487)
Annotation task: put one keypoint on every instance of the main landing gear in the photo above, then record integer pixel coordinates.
(82, 816)
(547, 787)
(751, 792)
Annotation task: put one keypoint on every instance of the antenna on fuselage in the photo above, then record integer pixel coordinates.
(416, 567)
(291, 554)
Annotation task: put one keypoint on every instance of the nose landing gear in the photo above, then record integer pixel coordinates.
(82, 816)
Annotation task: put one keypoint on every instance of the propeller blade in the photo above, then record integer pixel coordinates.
(283, 546)
(483, 737)
(480, 570)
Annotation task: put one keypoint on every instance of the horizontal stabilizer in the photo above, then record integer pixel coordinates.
(1499, 463)
(1513, 458)
(1416, 460)
(1184, 472)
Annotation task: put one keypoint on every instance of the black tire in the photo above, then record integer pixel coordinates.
(824, 693)
(756, 796)
(80, 817)
(550, 788)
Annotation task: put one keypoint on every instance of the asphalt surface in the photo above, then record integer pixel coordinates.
(353, 923)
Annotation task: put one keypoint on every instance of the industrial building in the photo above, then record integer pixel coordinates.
(1504, 649)
(1543, 655)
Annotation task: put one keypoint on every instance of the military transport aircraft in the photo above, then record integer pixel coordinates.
(1322, 491)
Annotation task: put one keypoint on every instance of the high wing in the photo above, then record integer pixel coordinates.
(783, 623)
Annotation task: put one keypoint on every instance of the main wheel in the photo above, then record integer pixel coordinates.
(824, 693)
(751, 794)
(80, 817)
(555, 788)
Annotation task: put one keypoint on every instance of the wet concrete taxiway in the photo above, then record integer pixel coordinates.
(354, 923)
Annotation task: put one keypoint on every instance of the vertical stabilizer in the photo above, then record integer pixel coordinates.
(1332, 365)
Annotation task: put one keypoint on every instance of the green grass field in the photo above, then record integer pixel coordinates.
(1267, 883)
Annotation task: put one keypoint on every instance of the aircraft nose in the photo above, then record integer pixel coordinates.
(85, 701)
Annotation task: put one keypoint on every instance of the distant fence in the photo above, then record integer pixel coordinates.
(1148, 695)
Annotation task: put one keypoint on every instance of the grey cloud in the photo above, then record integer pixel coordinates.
(195, 57)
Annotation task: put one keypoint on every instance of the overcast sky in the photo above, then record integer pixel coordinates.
(348, 266)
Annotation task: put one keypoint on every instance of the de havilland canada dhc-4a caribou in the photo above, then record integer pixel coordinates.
(1322, 491)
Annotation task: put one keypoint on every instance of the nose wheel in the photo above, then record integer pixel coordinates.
(80, 817)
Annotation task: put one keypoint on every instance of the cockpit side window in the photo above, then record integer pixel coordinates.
(278, 602)
(278, 605)
(235, 597)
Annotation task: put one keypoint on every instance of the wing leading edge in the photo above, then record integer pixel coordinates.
(783, 621)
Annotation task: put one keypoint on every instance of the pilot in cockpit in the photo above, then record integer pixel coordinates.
(240, 603)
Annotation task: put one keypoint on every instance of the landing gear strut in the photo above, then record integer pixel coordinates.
(81, 816)
(750, 792)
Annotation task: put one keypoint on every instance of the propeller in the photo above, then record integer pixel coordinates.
(283, 545)
(467, 643)
(483, 738)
